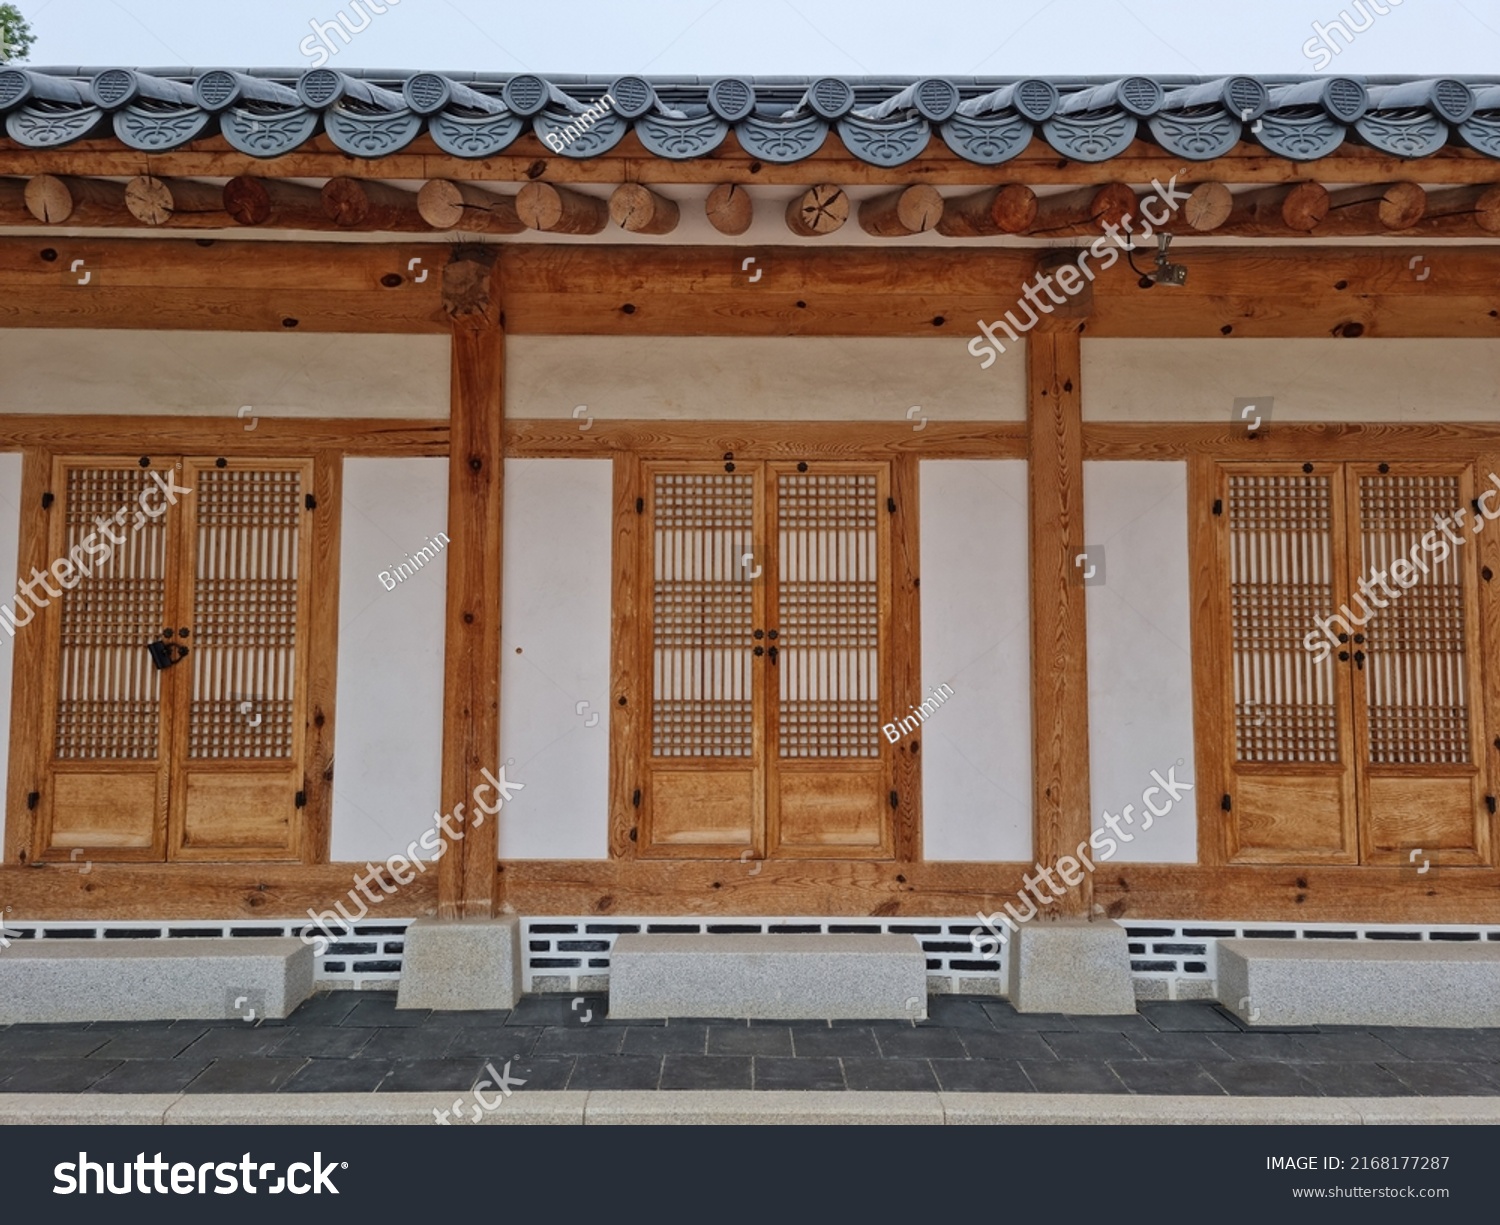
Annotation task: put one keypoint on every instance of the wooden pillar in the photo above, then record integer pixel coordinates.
(1059, 672)
(471, 688)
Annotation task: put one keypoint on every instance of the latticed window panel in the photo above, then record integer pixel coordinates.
(1416, 679)
(702, 610)
(828, 614)
(1281, 581)
(245, 597)
(108, 691)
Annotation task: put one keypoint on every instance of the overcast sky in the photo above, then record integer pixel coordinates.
(765, 37)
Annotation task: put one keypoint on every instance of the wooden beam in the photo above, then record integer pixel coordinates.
(28, 704)
(1287, 210)
(1461, 211)
(467, 879)
(536, 438)
(1207, 207)
(323, 653)
(560, 210)
(179, 203)
(55, 199)
(358, 204)
(274, 204)
(906, 676)
(446, 205)
(729, 209)
(1007, 209)
(13, 210)
(821, 209)
(1059, 674)
(1085, 212)
(225, 435)
(1319, 442)
(1360, 210)
(902, 213)
(642, 211)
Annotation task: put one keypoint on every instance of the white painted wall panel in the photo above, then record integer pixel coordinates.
(1309, 380)
(1139, 651)
(10, 531)
(388, 734)
(554, 655)
(211, 374)
(976, 747)
(802, 378)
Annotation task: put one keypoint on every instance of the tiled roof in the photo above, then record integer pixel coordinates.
(883, 121)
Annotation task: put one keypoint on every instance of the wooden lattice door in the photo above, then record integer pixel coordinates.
(1353, 722)
(177, 663)
(764, 613)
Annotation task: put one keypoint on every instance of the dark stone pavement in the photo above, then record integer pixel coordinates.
(356, 1042)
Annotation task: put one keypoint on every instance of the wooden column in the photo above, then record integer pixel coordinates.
(1059, 673)
(471, 688)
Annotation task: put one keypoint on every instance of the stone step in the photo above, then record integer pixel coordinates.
(153, 980)
(1346, 982)
(796, 977)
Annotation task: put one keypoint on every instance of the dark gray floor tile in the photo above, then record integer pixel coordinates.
(327, 1007)
(381, 1012)
(1341, 1048)
(883, 1026)
(156, 1042)
(957, 1012)
(1006, 1019)
(514, 1041)
(547, 1074)
(243, 1043)
(251, 1075)
(49, 1043)
(1165, 1076)
(706, 1071)
(1017, 1045)
(338, 1076)
(721, 1022)
(1440, 1078)
(1261, 1078)
(910, 1075)
(668, 1040)
(1110, 1048)
(409, 1044)
(477, 1018)
(579, 1041)
(51, 1075)
(980, 1075)
(1186, 1017)
(1125, 1023)
(560, 1010)
(1179, 1045)
(845, 1043)
(1428, 1045)
(819, 1072)
(438, 1075)
(1273, 1048)
(1354, 1080)
(752, 1041)
(323, 1042)
(150, 1076)
(920, 1044)
(1073, 1076)
(615, 1072)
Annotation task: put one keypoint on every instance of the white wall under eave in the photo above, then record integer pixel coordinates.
(212, 374)
(976, 617)
(1410, 380)
(1140, 652)
(554, 657)
(388, 722)
(782, 378)
(10, 531)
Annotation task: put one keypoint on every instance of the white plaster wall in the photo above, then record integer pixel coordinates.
(1139, 652)
(388, 734)
(208, 374)
(976, 747)
(554, 655)
(802, 378)
(10, 531)
(1308, 380)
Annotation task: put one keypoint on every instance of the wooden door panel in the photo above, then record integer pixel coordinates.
(833, 812)
(1435, 816)
(240, 694)
(102, 812)
(705, 807)
(1289, 743)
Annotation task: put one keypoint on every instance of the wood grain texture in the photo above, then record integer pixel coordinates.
(1316, 441)
(904, 663)
(183, 204)
(28, 686)
(226, 435)
(446, 205)
(323, 654)
(642, 211)
(729, 209)
(1059, 671)
(626, 650)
